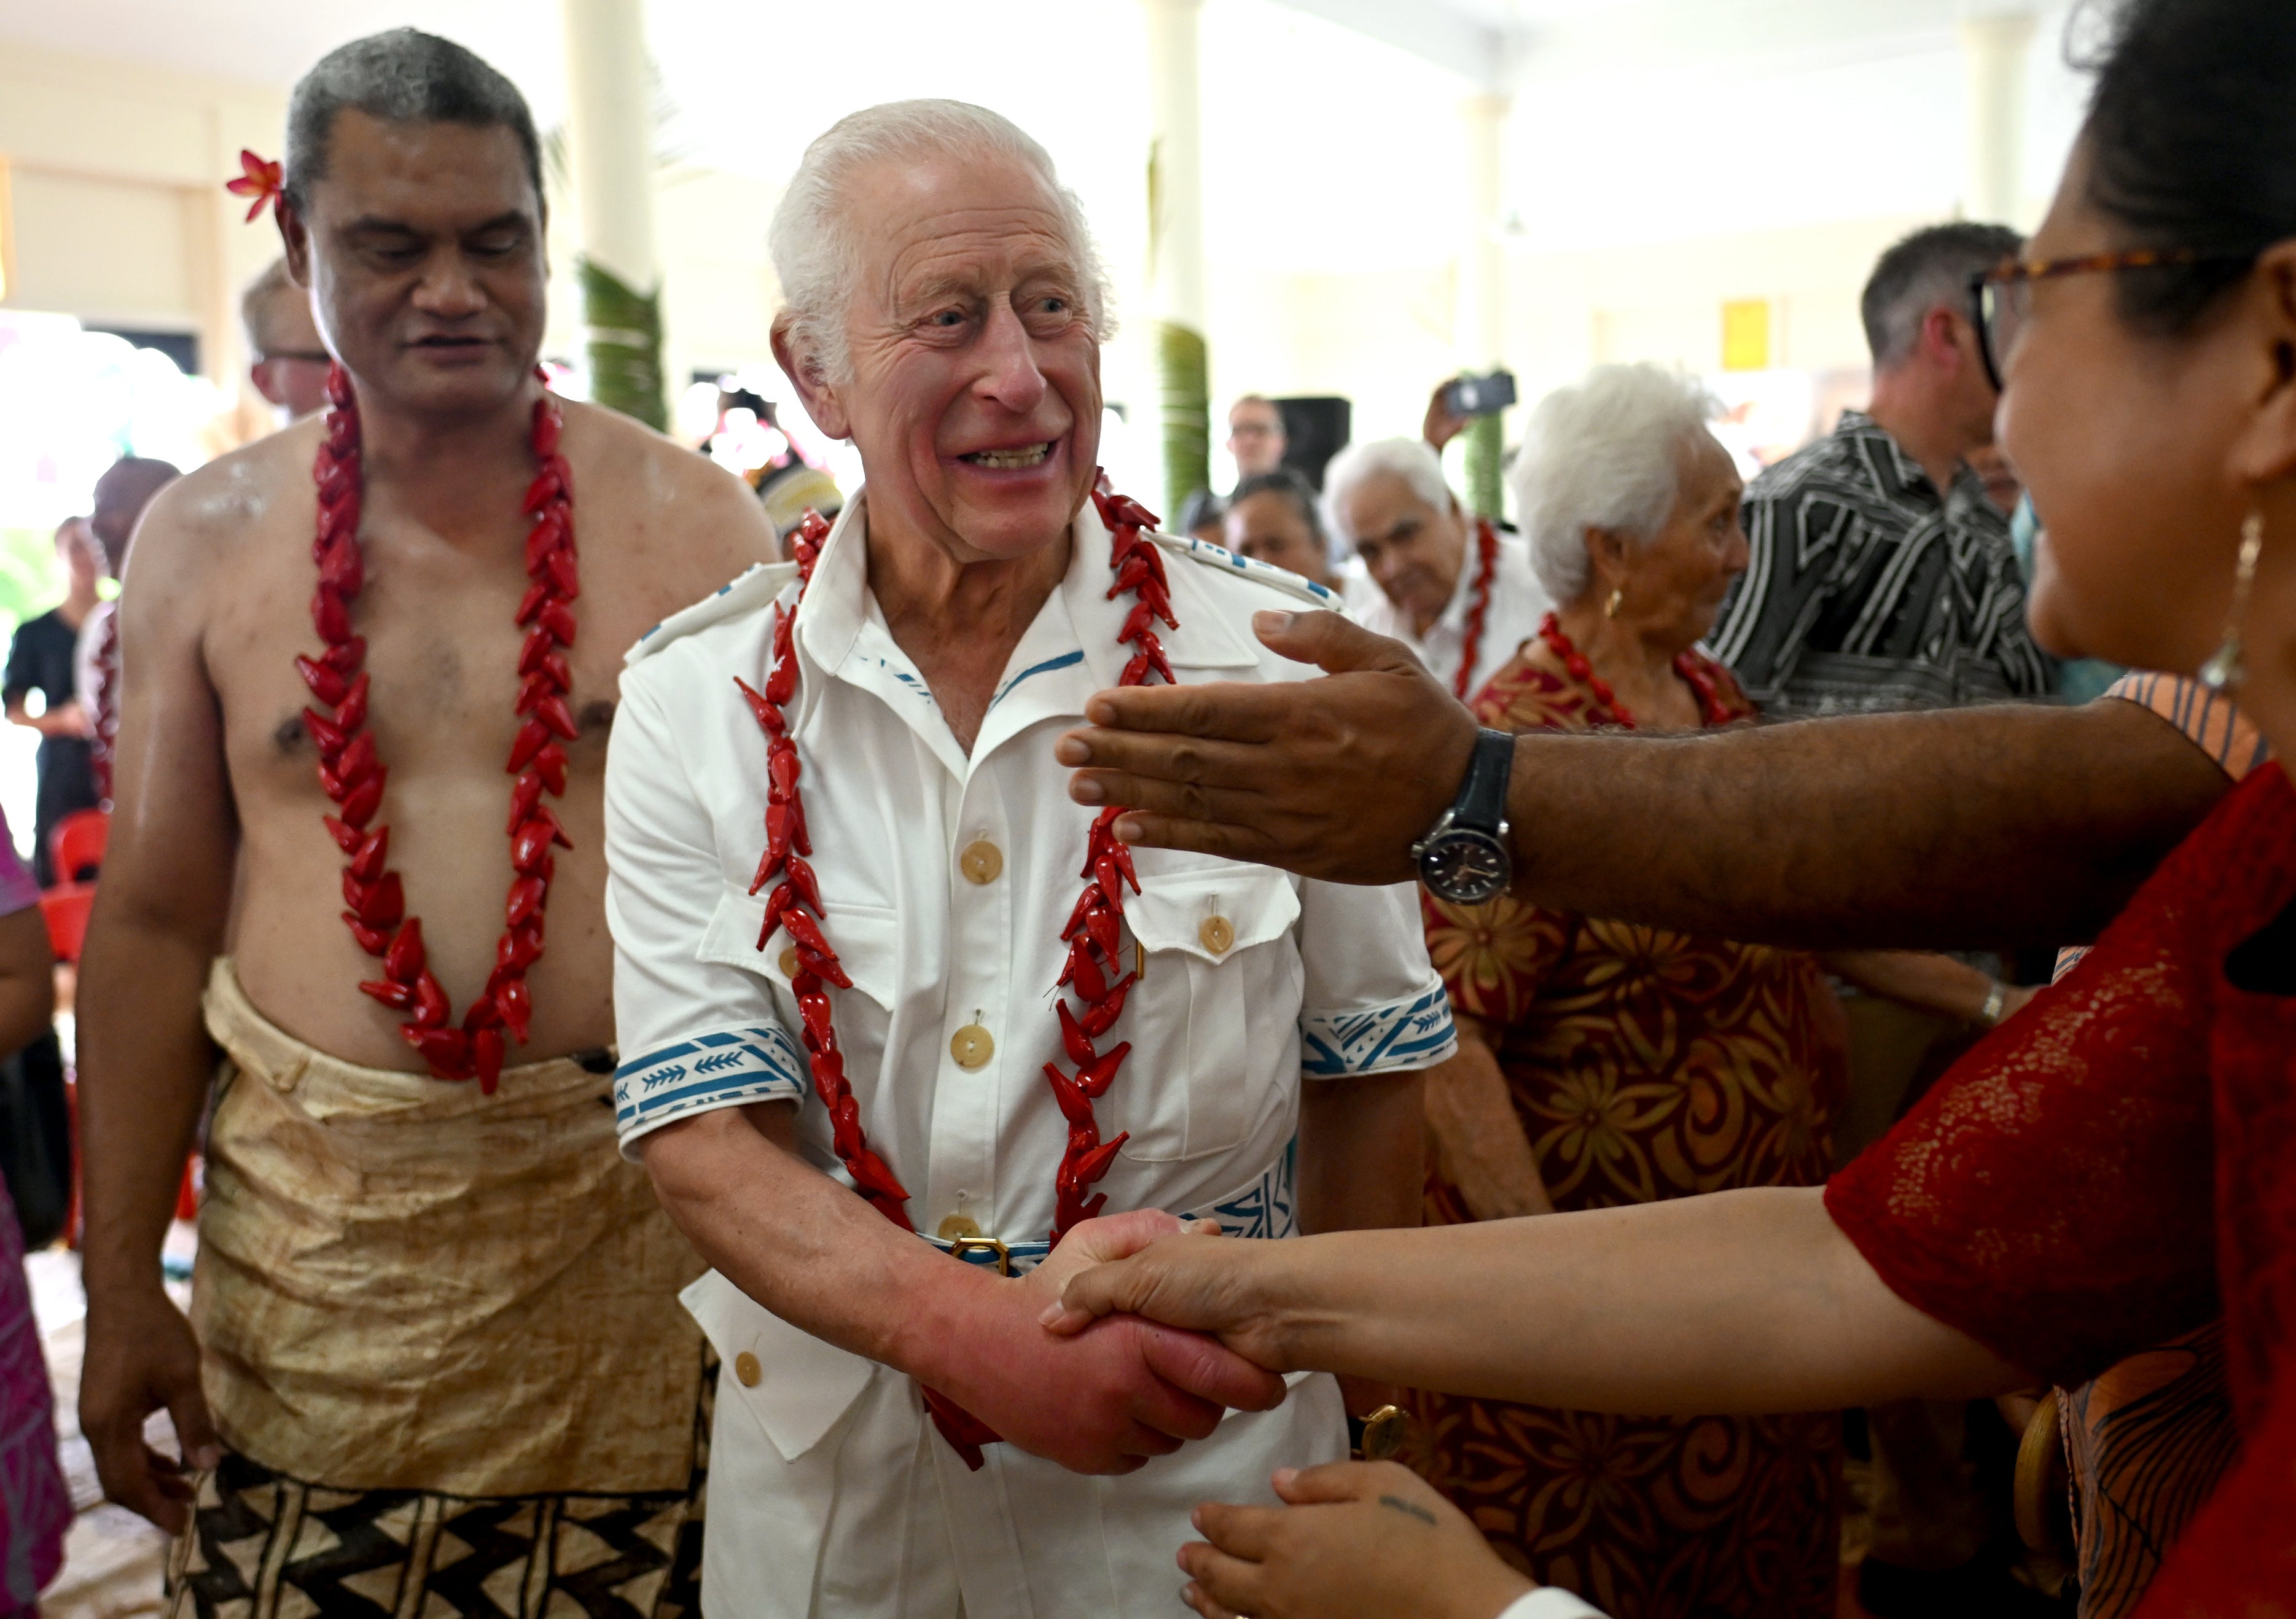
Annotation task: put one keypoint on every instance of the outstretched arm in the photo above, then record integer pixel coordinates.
(2011, 824)
(1741, 1301)
(820, 1258)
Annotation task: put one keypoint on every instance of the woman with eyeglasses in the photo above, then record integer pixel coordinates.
(2112, 1168)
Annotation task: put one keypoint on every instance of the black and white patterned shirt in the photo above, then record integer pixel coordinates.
(1865, 590)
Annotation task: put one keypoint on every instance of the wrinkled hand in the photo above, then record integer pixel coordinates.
(142, 1358)
(1357, 1541)
(1106, 1397)
(1193, 1281)
(1333, 778)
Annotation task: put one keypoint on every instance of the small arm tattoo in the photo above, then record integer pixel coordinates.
(1412, 1508)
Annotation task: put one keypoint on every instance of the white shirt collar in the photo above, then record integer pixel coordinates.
(1074, 634)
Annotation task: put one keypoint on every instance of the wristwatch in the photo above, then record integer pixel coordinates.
(1463, 859)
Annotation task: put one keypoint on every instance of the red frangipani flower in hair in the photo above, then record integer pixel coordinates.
(259, 179)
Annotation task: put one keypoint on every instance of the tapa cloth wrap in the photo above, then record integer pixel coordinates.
(404, 1284)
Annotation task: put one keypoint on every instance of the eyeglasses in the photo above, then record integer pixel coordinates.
(2002, 298)
(314, 357)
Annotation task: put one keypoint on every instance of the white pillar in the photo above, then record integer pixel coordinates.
(1175, 132)
(1993, 52)
(1176, 239)
(610, 137)
(1479, 333)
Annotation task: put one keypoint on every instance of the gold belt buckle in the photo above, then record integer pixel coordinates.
(962, 1245)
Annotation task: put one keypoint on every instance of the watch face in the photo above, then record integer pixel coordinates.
(1465, 867)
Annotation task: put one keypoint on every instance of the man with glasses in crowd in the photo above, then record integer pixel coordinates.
(1883, 577)
(1256, 436)
(290, 361)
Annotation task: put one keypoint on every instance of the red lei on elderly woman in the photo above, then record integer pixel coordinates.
(1091, 931)
(352, 773)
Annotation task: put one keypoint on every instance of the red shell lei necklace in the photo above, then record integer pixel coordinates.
(353, 773)
(1091, 933)
(1711, 709)
(1479, 606)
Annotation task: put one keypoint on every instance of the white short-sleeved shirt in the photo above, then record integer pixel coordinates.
(1518, 602)
(1319, 980)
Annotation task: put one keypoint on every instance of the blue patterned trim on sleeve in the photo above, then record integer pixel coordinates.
(1267, 1207)
(724, 1068)
(1378, 1039)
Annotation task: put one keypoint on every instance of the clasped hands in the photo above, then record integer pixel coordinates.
(1100, 1395)
(1354, 1540)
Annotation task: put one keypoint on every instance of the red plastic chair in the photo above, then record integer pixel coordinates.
(77, 845)
(64, 908)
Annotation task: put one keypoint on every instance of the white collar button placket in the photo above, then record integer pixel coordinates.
(980, 873)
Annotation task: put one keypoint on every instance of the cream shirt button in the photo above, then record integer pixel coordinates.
(972, 1046)
(746, 1369)
(789, 962)
(956, 1226)
(983, 861)
(1218, 933)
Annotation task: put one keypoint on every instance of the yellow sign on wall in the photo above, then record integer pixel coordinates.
(1746, 334)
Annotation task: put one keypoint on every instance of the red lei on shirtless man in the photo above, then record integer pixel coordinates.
(352, 771)
(1091, 932)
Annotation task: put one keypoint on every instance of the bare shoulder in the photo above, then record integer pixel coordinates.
(211, 520)
(669, 496)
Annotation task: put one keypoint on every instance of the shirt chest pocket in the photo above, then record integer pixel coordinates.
(1226, 933)
(867, 940)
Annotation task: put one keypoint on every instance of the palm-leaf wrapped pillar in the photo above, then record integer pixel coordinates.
(610, 140)
(1176, 248)
(1481, 321)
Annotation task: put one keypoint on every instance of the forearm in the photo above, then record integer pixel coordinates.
(1479, 1138)
(804, 1247)
(1362, 1153)
(1917, 979)
(1996, 826)
(27, 980)
(1746, 1301)
(144, 1063)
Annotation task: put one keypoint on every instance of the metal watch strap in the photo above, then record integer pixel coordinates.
(1483, 796)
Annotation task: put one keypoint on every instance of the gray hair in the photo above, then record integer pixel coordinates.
(405, 76)
(1412, 459)
(1930, 267)
(812, 241)
(1602, 452)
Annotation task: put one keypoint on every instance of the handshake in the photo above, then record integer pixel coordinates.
(1114, 1350)
(1136, 1335)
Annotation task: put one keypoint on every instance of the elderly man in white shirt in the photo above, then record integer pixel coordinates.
(1452, 588)
(875, 970)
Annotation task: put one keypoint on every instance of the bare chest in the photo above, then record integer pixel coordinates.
(443, 646)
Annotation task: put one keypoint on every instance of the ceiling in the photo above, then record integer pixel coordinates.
(1328, 131)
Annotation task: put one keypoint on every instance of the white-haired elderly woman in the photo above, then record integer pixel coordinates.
(1602, 1063)
(1451, 587)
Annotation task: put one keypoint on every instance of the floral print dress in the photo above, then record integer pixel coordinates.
(1643, 1064)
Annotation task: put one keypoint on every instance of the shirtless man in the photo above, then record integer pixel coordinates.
(434, 1341)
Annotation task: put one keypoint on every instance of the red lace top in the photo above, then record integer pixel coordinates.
(2089, 1178)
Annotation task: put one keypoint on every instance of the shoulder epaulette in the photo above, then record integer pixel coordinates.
(1209, 555)
(753, 590)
